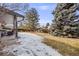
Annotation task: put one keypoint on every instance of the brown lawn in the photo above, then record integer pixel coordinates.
(66, 46)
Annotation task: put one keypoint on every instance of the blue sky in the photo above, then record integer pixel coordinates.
(44, 10)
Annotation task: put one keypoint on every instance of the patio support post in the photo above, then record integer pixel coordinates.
(15, 27)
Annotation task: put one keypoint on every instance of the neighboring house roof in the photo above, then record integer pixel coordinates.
(11, 12)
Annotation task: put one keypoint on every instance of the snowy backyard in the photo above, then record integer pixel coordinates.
(31, 45)
(39, 29)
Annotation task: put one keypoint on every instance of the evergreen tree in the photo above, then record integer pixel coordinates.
(32, 19)
(47, 25)
(65, 19)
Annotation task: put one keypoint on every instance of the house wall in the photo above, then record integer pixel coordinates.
(8, 19)
(20, 20)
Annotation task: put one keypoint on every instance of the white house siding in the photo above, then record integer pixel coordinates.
(9, 20)
(20, 20)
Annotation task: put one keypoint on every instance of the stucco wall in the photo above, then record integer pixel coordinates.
(9, 20)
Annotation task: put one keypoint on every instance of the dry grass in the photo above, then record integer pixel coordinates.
(66, 46)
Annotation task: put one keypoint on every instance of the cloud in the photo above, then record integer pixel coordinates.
(43, 7)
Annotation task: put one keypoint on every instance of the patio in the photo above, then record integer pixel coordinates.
(9, 22)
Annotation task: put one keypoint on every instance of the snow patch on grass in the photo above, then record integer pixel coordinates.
(31, 45)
